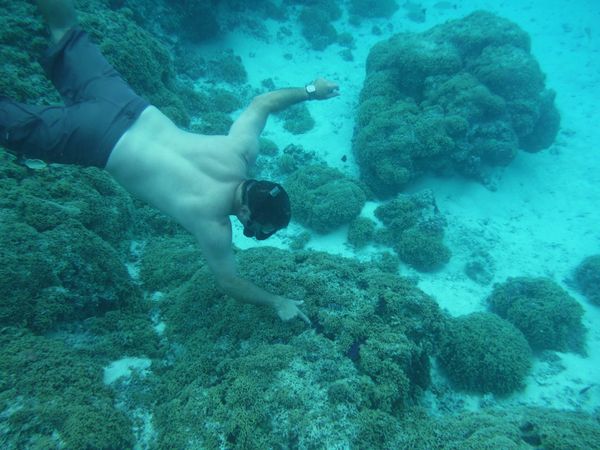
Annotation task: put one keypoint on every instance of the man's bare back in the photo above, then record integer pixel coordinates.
(190, 177)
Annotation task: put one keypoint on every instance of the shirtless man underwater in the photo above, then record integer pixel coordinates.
(198, 180)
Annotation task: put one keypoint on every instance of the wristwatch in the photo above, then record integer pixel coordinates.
(311, 90)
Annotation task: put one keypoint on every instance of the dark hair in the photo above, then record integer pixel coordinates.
(268, 202)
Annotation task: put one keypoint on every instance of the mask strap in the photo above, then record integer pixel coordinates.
(247, 186)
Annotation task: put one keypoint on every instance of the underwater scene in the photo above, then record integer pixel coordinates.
(443, 249)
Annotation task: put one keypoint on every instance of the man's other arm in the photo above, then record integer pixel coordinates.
(215, 242)
(252, 121)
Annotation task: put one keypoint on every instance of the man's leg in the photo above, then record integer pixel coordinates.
(60, 16)
(32, 131)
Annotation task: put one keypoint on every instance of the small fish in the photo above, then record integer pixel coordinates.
(587, 388)
(35, 164)
(344, 158)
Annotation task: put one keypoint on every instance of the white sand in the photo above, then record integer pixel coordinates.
(124, 368)
(543, 218)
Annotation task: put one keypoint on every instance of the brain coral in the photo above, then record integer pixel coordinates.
(460, 97)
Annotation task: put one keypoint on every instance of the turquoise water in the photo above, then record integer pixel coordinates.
(444, 237)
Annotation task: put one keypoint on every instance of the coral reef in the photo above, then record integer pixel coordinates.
(587, 277)
(22, 40)
(168, 262)
(547, 315)
(60, 229)
(374, 333)
(82, 265)
(483, 353)
(372, 8)
(64, 236)
(297, 119)
(495, 428)
(315, 20)
(415, 230)
(461, 97)
(53, 396)
(323, 198)
(361, 231)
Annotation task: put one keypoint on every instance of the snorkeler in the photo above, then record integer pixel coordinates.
(198, 180)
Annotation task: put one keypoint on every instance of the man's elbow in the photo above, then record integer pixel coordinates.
(261, 103)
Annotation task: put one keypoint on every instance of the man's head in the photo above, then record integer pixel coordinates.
(269, 208)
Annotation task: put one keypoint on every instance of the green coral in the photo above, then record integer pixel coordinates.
(459, 97)
(316, 24)
(376, 333)
(60, 395)
(587, 277)
(228, 68)
(397, 143)
(22, 41)
(415, 230)
(323, 198)
(168, 262)
(373, 8)
(500, 428)
(297, 119)
(64, 239)
(389, 359)
(425, 251)
(483, 353)
(546, 314)
(361, 231)
(77, 274)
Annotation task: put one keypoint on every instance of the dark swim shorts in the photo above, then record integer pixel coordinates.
(99, 108)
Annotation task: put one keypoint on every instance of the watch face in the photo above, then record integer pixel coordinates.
(311, 88)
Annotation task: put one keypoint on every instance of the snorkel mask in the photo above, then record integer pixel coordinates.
(269, 208)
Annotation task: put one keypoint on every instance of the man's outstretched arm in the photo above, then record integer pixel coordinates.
(215, 241)
(252, 121)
